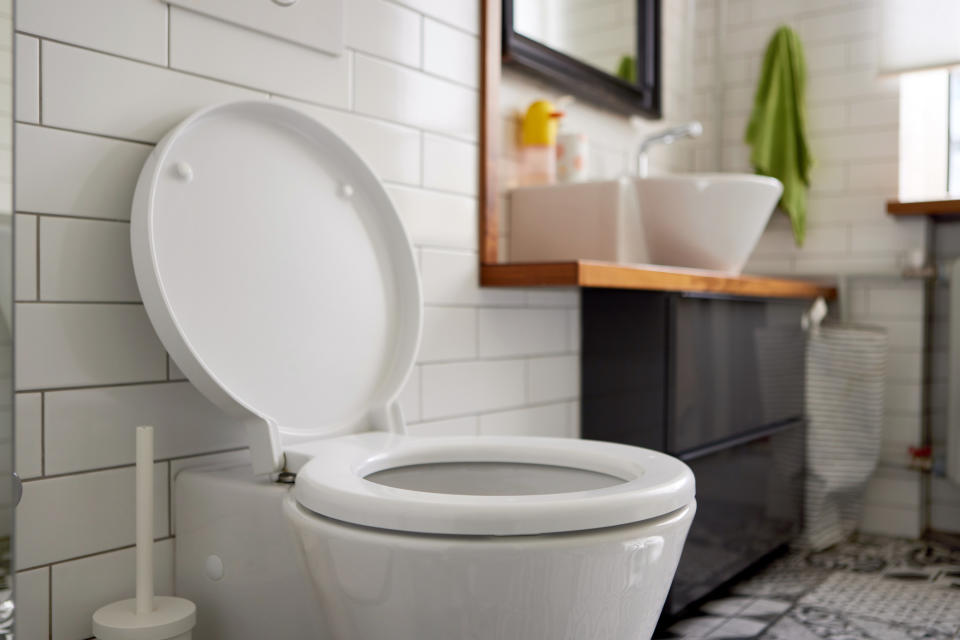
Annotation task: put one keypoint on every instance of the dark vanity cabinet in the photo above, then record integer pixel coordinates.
(717, 382)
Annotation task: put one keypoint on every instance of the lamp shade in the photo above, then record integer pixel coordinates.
(919, 34)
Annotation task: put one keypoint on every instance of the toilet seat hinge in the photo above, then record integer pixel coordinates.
(285, 477)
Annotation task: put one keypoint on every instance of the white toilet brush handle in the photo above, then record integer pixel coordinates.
(145, 617)
(144, 520)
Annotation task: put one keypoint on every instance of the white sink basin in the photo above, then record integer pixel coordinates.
(596, 220)
(705, 221)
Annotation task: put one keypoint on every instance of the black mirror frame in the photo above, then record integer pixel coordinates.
(587, 82)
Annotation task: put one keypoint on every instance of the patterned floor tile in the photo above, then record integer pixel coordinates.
(726, 606)
(882, 630)
(739, 628)
(829, 625)
(871, 588)
(789, 628)
(910, 602)
(764, 607)
(698, 626)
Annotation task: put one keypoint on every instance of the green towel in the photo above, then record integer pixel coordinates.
(778, 126)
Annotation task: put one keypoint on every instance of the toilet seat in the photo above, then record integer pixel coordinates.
(278, 275)
(333, 484)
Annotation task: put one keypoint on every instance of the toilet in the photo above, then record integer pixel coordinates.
(278, 275)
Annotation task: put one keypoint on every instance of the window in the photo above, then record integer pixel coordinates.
(953, 135)
(926, 110)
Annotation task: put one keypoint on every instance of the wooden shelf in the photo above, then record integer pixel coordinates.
(938, 208)
(609, 275)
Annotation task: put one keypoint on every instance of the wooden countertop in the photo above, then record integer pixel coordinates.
(924, 208)
(609, 275)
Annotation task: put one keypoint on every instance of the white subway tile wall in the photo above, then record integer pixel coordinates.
(130, 28)
(854, 126)
(97, 93)
(248, 58)
(93, 96)
(384, 29)
(65, 517)
(391, 150)
(86, 260)
(74, 345)
(28, 416)
(33, 603)
(94, 176)
(27, 99)
(25, 269)
(449, 165)
(184, 423)
(895, 499)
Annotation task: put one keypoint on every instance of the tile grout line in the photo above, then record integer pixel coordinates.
(110, 385)
(50, 601)
(43, 434)
(423, 153)
(433, 17)
(120, 303)
(479, 413)
(471, 140)
(423, 39)
(169, 16)
(40, 109)
(51, 565)
(57, 216)
(106, 136)
(169, 490)
(419, 374)
(351, 81)
(37, 266)
(130, 465)
(354, 53)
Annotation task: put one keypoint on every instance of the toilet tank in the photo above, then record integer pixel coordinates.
(236, 552)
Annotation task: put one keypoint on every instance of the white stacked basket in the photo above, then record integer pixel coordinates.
(846, 370)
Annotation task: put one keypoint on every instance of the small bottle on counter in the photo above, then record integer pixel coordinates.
(538, 145)
(573, 149)
(572, 157)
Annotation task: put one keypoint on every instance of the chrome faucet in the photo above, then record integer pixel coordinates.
(665, 136)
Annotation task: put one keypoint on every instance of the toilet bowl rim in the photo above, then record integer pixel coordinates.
(333, 484)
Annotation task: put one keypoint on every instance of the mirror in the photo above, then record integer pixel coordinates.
(600, 33)
(8, 488)
(604, 51)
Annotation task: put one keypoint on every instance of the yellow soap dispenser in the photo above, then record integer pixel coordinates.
(538, 145)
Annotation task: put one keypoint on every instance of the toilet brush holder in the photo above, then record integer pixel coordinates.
(171, 619)
(145, 617)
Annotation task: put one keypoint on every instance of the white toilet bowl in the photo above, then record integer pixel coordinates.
(278, 276)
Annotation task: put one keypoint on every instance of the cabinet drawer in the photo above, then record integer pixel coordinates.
(736, 365)
(749, 502)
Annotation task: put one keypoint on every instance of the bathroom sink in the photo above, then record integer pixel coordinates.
(706, 221)
(596, 220)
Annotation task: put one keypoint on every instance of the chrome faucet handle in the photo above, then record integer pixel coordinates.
(669, 135)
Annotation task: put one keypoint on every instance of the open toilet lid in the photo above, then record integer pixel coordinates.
(277, 273)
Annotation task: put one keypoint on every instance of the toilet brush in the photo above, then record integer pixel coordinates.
(145, 617)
